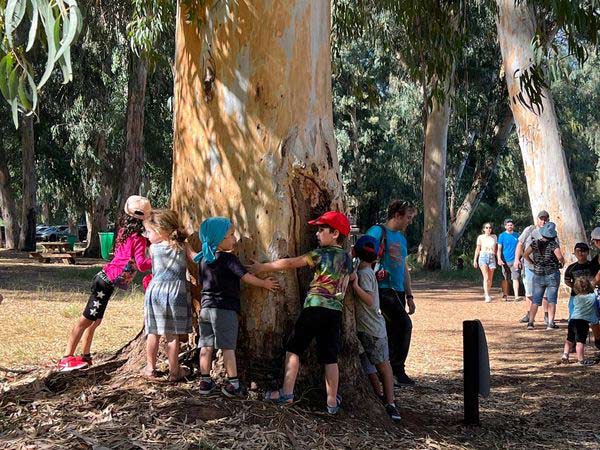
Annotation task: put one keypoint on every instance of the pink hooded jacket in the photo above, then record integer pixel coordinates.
(129, 258)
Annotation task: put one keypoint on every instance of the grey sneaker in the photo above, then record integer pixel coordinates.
(525, 319)
(552, 326)
(530, 326)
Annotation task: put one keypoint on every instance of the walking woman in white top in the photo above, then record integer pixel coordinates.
(485, 258)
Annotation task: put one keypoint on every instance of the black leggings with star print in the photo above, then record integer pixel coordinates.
(102, 290)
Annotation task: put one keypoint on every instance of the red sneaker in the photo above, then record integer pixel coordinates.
(69, 363)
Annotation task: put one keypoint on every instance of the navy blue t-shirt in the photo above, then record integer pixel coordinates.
(221, 282)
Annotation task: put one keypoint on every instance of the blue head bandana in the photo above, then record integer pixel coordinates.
(212, 231)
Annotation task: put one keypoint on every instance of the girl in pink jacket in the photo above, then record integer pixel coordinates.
(129, 257)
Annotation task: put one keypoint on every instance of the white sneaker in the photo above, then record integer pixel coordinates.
(488, 299)
(517, 299)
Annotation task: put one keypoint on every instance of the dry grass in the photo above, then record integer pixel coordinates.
(43, 301)
(535, 403)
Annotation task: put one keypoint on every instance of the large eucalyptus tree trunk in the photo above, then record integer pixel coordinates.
(548, 180)
(254, 142)
(133, 158)
(28, 209)
(481, 178)
(433, 250)
(9, 209)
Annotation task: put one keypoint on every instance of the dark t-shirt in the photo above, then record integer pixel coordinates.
(576, 270)
(545, 261)
(221, 282)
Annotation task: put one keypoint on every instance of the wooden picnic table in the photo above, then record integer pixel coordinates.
(55, 250)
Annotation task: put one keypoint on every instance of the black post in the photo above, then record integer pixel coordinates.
(471, 371)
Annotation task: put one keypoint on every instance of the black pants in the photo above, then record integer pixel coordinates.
(398, 326)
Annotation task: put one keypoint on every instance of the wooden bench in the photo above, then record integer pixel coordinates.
(46, 257)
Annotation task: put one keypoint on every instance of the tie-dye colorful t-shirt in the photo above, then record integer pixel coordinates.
(332, 266)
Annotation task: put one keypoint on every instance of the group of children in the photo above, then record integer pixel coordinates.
(167, 305)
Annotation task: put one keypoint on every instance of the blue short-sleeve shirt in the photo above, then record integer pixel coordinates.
(394, 257)
(509, 242)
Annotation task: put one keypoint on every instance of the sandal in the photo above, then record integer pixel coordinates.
(282, 399)
(588, 362)
(184, 372)
(336, 408)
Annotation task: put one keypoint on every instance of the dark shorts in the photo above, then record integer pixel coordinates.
(218, 328)
(578, 330)
(325, 325)
(509, 272)
(102, 290)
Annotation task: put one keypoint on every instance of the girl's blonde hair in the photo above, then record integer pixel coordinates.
(167, 221)
(583, 285)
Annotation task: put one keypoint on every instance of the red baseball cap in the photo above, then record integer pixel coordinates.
(335, 220)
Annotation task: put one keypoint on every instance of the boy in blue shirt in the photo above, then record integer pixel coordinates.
(507, 246)
(395, 292)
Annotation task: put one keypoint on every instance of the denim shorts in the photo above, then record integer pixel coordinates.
(487, 259)
(546, 286)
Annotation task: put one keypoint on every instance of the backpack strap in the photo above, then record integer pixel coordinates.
(383, 239)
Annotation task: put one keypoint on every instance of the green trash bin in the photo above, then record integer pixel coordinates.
(71, 241)
(106, 243)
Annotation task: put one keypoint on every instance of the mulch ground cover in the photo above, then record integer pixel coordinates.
(534, 403)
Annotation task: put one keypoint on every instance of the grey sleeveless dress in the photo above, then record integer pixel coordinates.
(167, 304)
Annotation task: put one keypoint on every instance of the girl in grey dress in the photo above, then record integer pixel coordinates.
(167, 305)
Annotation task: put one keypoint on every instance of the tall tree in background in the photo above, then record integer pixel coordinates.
(548, 180)
(150, 21)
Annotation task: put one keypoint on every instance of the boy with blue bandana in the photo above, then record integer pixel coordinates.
(220, 275)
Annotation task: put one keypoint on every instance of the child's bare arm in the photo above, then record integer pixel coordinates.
(364, 296)
(280, 264)
(270, 284)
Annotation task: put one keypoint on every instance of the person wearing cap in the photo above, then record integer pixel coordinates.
(370, 324)
(583, 267)
(545, 256)
(321, 315)
(395, 290)
(507, 246)
(129, 257)
(529, 234)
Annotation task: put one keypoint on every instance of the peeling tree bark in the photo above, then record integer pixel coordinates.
(133, 159)
(481, 178)
(28, 209)
(433, 250)
(254, 142)
(548, 181)
(9, 208)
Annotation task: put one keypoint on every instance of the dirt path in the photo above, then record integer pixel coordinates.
(535, 403)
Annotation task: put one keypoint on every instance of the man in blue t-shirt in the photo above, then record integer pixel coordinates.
(507, 246)
(395, 292)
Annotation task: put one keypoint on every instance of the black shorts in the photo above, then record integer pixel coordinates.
(578, 330)
(102, 290)
(325, 325)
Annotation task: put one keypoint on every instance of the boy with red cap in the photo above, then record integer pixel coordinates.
(321, 316)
